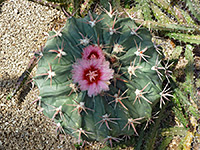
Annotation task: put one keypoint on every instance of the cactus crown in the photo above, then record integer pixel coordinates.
(99, 77)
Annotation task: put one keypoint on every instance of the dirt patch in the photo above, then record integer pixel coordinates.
(23, 25)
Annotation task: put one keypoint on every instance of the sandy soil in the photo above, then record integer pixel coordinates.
(22, 30)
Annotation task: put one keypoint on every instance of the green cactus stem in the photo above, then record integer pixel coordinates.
(185, 37)
(95, 103)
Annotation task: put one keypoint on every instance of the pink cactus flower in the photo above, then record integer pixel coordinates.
(93, 52)
(92, 75)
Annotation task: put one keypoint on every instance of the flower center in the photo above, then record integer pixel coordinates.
(92, 75)
(94, 55)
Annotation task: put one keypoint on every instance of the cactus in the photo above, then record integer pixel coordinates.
(100, 77)
(193, 6)
(185, 37)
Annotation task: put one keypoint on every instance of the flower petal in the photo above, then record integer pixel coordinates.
(92, 75)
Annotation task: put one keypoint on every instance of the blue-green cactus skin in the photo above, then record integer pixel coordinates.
(56, 90)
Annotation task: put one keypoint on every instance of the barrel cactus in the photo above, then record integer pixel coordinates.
(99, 77)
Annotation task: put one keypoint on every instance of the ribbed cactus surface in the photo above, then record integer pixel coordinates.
(99, 77)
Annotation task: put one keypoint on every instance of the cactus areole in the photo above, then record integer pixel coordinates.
(96, 80)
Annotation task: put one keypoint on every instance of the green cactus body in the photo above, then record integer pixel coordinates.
(133, 91)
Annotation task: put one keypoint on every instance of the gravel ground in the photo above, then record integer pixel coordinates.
(22, 27)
